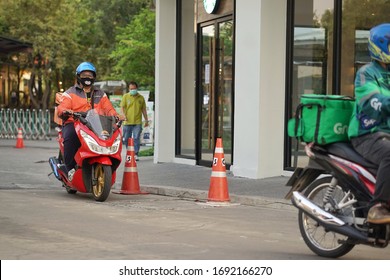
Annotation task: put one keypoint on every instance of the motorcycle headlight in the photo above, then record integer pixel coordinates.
(95, 147)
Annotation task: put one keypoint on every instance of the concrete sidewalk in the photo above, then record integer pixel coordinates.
(189, 181)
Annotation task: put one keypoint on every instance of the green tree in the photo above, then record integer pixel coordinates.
(134, 56)
(45, 25)
(99, 27)
(65, 33)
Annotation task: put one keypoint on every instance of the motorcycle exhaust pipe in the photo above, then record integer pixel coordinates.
(326, 219)
(54, 166)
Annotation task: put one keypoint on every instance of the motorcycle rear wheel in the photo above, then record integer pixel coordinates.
(102, 188)
(322, 242)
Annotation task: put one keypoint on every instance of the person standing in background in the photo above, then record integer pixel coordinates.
(133, 106)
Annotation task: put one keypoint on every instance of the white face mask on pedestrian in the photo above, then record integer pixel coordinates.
(133, 91)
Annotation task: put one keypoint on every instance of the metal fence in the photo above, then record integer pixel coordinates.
(35, 124)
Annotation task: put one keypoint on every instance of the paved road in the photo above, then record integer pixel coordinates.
(39, 220)
(41, 223)
(50, 224)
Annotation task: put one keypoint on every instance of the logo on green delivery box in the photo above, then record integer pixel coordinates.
(340, 128)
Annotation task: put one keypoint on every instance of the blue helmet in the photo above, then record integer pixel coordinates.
(86, 66)
(379, 43)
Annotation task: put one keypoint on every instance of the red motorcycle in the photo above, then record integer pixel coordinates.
(98, 157)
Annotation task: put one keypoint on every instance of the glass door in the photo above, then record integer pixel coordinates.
(216, 90)
(318, 50)
(312, 59)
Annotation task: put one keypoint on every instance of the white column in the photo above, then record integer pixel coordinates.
(259, 88)
(164, 149)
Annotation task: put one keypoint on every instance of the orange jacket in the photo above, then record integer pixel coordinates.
(76, 100)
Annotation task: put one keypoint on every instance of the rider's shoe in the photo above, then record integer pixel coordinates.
(378, 214)
(62, 167)
(70, 174)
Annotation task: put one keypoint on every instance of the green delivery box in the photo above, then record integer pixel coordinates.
(322, 119)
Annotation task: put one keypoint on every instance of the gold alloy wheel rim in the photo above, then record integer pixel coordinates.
(99, 175)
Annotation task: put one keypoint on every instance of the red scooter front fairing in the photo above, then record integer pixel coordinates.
(97, 158)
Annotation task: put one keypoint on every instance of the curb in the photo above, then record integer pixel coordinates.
(201, 196)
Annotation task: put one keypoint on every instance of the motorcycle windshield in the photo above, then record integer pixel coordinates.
(102, 126)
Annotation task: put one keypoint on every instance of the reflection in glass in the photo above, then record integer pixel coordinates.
(359, 16)
(313, 48)
(225, 86)
(312, 57)
(187, 75)
(207, 67)
(217, 88)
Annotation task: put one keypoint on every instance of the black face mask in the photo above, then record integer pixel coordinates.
(86, 81)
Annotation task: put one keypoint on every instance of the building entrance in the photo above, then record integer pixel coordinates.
(215, 89)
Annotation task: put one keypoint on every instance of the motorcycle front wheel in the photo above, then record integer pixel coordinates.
(321, 241)
(102, 183)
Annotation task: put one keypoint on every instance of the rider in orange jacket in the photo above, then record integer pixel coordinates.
(80, 98)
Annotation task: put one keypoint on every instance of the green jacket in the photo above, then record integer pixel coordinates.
(372, 105)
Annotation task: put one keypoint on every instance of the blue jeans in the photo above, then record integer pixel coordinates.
(133, 130)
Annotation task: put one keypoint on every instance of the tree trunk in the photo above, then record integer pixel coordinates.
(32, 89)
(46, 94)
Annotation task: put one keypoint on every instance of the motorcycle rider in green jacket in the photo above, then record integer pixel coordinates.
(369, 129)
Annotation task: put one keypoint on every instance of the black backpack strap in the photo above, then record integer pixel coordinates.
(93, 98)
(319, 111)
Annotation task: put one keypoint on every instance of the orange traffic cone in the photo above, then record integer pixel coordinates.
(218, 183)
(130, 182)
(19, 139)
